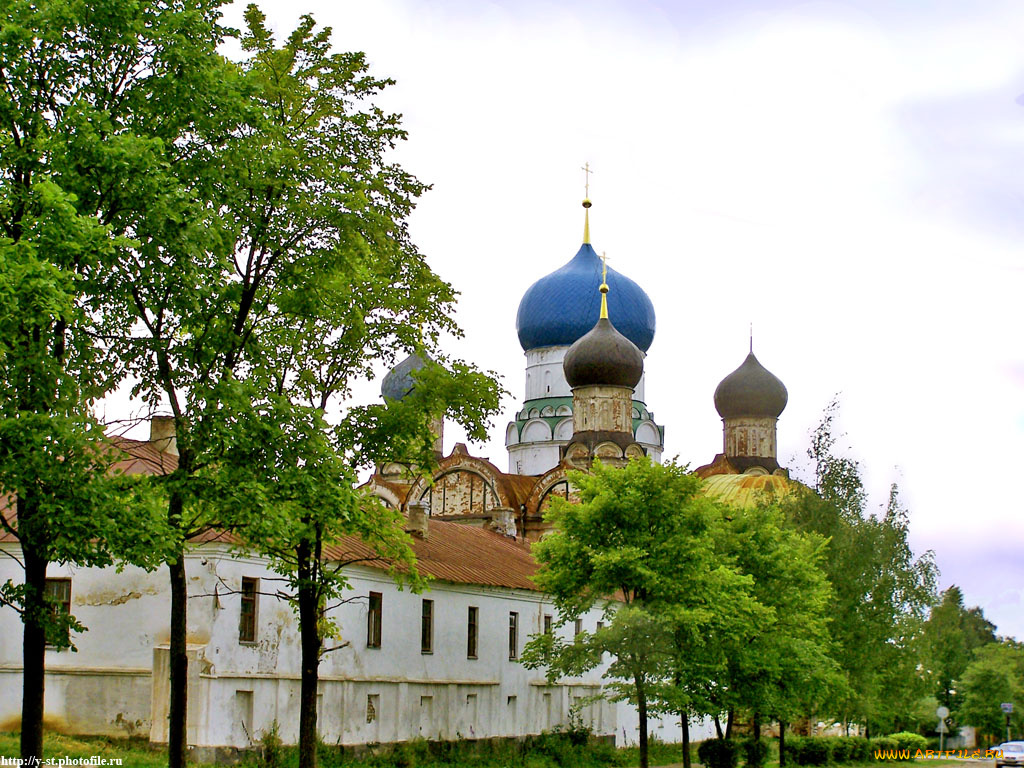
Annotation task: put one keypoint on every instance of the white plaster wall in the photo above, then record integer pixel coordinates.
(237, 691)
(546, 378)
(533, 458)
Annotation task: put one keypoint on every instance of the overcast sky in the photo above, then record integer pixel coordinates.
(848, 177)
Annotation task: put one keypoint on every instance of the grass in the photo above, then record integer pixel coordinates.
(137, 754)
(547, 751)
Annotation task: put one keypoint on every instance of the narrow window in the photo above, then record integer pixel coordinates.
(600, 626)
(513, 636)
(373, 618)
(247, 615)
(427, 627)
(547, 623)
(57, 592)
(579, 626)
(471, 632)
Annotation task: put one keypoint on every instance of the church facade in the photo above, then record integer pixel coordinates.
(443, 664)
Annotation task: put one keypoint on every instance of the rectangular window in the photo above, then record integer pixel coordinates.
(247, 615)
(513, 636)
(57, 592)
(427, 627)
(579, 626)
(373, 619)
(600, 626)
(471, 631)
(547, 623)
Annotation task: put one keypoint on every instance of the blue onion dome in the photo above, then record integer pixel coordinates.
(752, 391)
(603, 356)
(560, 308)
(399, 381)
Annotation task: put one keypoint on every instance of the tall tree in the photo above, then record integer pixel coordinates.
(294, 277)
(951, 635)
(779, 664)
(639, 544)
(882, 589)
(89, 96)
(995, 676)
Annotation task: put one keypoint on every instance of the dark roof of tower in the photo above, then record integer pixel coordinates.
(603, 356)
(751, 390)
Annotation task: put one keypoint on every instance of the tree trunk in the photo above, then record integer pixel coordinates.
(756, 727)
(782, 744)
(177, 745)
(309, 638)
(33, 641)
(641, 708)
(684, 718)
(718, 728)
(728, 725)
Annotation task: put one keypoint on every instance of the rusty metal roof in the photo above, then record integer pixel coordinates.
(457, 553)
(747, 490)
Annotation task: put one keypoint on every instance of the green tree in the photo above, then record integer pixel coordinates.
(293, 276)
(85, 109)
(995, 676)
(951, 635)
(639, 544)
(881, 589)
(778, 665)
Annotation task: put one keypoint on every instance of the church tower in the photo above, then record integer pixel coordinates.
(603, 368)
(750, 401)
(555, 312)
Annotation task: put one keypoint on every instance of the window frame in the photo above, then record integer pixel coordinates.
(250, 598)
(374, 619)
(473, 632)
(58, 603)
(427, 626)
(513, 635)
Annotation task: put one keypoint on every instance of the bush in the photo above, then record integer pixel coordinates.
(860, 749)
(718, 753)
(907, 741)
(838, 749)
(883, 744)
(808, 751)
(755, 753)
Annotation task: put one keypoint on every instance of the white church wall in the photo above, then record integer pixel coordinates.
(116, 683)
(534, 458)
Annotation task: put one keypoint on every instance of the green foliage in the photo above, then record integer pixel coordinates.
(883, 744)
(776, 662)
(951, 635)
(271, 748)
(909, 741)
(755, 752)
(995, 675)
(645, 534)
(808, 750)
(881, 590)
(718, 753)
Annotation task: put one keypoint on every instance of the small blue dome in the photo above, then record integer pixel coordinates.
(399, 381)
(562, 307)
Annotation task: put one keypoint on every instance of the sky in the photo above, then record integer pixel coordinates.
(846, 177)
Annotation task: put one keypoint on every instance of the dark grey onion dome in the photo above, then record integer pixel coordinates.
(399, 381)
(751, 390)
(603, 356)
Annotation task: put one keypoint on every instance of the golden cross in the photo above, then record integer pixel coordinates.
(604, 267)
(586, 170)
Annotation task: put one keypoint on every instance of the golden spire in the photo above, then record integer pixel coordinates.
(586, 203)
(604, 285)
